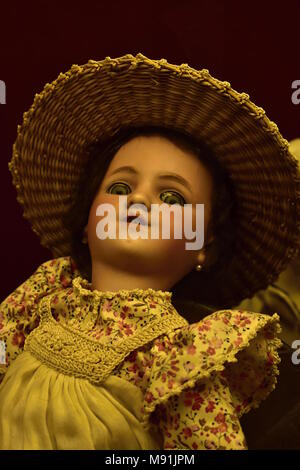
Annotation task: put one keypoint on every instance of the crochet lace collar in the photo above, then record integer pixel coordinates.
(83, 288)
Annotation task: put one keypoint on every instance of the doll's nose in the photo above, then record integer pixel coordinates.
(139, 198)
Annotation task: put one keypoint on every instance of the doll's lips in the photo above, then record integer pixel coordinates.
(131, 218)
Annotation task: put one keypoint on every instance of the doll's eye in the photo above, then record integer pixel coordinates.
(172, 197)
(119, 188)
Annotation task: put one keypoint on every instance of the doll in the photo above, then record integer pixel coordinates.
(97, 355)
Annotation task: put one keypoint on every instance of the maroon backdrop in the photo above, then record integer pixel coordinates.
(253, 45)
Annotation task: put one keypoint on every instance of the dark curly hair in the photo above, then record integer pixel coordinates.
(195, 285)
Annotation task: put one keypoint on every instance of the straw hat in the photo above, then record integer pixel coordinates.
(99, 97)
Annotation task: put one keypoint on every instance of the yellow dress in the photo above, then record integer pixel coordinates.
(124, 370)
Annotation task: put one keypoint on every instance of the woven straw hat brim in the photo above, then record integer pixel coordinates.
(98, 98)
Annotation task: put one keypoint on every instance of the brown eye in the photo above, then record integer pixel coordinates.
(172, 197)
(119, 188)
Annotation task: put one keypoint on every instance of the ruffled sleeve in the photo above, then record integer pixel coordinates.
(18, 312)
(206, 375)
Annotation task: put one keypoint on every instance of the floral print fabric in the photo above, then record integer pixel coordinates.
(196, 380)
(208, 374)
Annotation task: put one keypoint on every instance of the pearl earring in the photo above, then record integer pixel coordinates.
(198, 267)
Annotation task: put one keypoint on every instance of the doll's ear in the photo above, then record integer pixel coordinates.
(211, 252)
(201, 256)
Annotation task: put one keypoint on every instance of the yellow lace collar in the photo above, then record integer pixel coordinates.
(99, 329)
(83, 288)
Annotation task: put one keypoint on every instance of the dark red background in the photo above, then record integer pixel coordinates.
(253, 45)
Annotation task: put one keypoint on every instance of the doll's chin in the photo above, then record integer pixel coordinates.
(144, 249)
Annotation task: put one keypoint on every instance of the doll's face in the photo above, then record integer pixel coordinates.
(151, 158)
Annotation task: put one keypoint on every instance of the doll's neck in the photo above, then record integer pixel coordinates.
(108, 278)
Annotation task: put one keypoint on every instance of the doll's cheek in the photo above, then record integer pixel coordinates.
(174, 248)
(94, 219)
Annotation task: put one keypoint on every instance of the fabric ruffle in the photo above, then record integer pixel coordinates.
(240, 345)
(83, 288)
